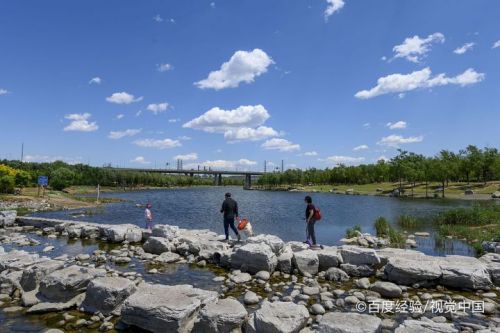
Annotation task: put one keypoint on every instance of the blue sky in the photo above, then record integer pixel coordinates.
(229, 84)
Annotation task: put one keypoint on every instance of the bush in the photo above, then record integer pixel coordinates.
(7, 184)
(477, 215)
(396, 238)
(382, 227)
(61, 178)
(353, 232)
(408, 221)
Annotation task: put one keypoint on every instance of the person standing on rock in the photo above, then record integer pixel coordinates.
(148, 217)
(230, 211)
(310, 221)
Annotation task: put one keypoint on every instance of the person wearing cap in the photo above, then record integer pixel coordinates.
(148, 216)
(230, 211)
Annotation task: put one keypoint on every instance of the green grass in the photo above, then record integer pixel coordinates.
(475, 225)
(408, 221)
(382, 227)
(352, 232)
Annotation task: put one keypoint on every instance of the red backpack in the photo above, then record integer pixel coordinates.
(317, 213)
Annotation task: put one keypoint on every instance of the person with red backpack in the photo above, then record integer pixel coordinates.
(313, 214)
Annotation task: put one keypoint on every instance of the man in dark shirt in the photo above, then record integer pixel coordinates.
(230, 210)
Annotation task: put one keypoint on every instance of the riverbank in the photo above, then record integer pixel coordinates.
(266, 285)
(31, 200)
(454, 191)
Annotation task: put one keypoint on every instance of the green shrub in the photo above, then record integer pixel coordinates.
(396, 238)
(382, 227)
(408, 221)
(61, 178)
(352, 232)
(477, 215)
(7, 184)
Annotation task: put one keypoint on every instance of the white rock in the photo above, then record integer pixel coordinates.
(227, 315)
(349, 322)
(105, 294)
(254, 257)
(306, 261)
(278, 317)
(161, 308)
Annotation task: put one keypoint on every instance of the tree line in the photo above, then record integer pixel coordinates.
(469, 164)
(62, 175)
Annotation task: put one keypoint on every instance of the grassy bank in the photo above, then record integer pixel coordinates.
(475, 225)
(454, 190)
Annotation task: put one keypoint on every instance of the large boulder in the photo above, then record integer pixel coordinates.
(386, 289)
(274, 242)
(18, 260)
(90, 231)
(306, 261)
(328, 257)
(157, 245)
(425, 270)
(278, 317)
(121, 232)
(107, 294)
(254, 257)
(165, 231)
(387, 253)
(34, 274)
(349, 322)
(64, 284)
(285, 260)
(358, 255)
(336, 274)
(492, 262)
(7, 218)
(425, 325)
(464, 273)
(161, 308)
(225, 316)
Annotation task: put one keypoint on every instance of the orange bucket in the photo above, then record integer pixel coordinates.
(242, 224)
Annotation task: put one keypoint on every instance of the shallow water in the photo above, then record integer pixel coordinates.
(277, 213)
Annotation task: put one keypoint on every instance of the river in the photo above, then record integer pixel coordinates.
(277, 213)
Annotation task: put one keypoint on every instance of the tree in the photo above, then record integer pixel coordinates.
(61, 178)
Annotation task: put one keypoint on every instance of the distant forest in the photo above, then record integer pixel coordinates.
(471, 164)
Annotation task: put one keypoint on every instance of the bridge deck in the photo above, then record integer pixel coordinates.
(195, 171)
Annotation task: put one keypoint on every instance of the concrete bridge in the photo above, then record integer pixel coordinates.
(217, 174)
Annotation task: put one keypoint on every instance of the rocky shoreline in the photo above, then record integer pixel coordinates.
(267, 285)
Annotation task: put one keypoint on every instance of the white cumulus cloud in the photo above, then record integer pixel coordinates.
(339, 159)
(158, 18)
(333, 7)
(496, 44)
(400, 83)
(311, 153)
(123, 98)
(121, 134)
(243, 66)
(222, 164)
(397, 140)
(217, 120)
(464, 48)
(79, 122)
(397, 125)
(415, 48)
(187, 157)
(95, 80)
(120, 116)
(158, 143)
(360, 147)
(252, 134)
(157, 108)
(280, 145)
(140, 160)
(48, 159)
(164, 67)
(4, 92)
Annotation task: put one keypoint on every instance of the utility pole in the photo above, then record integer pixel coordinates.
(282, 166)
(265, 165)
(22, 151)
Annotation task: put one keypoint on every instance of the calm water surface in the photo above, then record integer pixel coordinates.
(277, 213)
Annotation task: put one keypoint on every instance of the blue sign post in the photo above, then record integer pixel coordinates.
(43, 181)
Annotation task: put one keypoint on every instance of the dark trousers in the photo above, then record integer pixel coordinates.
(229, 222)
(310, 231)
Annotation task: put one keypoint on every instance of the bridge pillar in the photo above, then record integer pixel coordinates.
(217, 179)
(248, 181)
